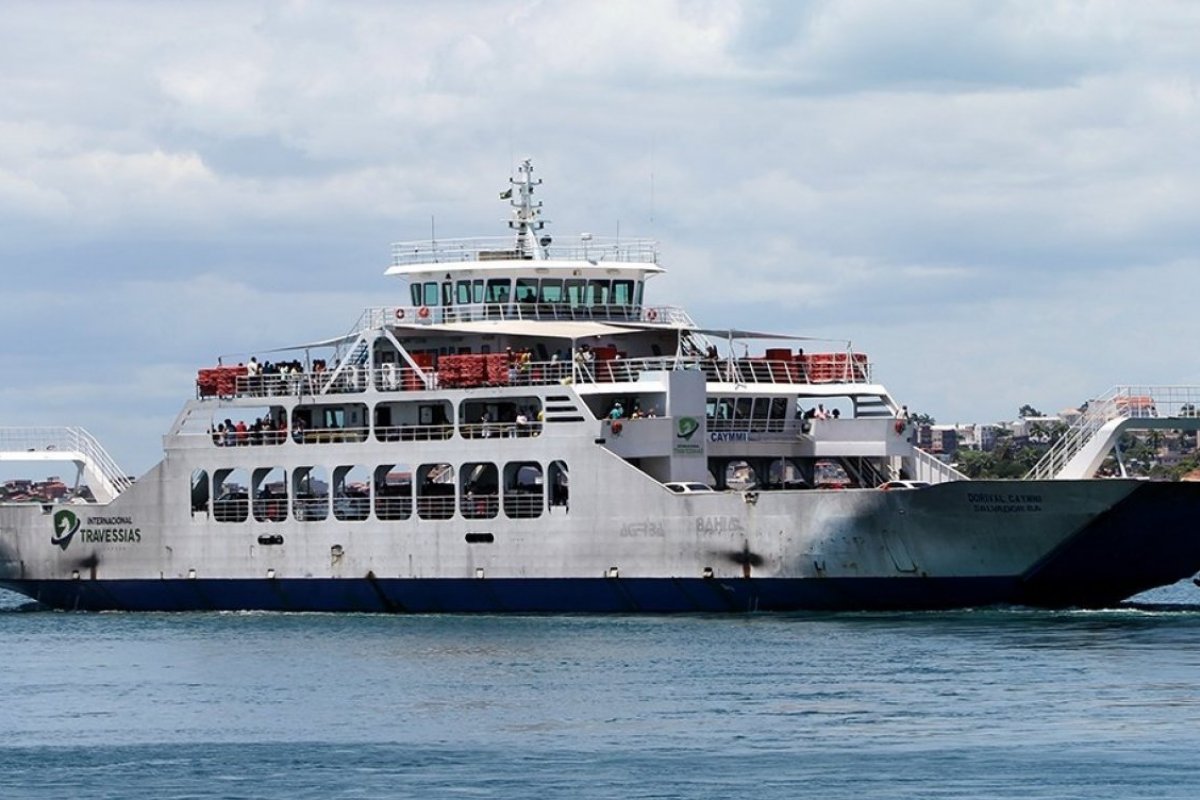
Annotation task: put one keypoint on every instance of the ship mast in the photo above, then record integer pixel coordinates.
(526, 214)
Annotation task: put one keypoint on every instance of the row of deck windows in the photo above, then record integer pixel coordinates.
(514, 417)
(387, 492)
(570, 292)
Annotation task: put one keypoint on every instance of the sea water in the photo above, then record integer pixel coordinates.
(979, 703)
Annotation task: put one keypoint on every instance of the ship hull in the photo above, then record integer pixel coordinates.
(950, 546)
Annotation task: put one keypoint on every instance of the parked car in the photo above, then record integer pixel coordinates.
(687, 487)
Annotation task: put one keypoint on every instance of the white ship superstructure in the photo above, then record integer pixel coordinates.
(524, 431)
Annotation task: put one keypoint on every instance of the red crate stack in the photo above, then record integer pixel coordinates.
(497, 369)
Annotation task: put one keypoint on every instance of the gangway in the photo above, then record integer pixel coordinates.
(93, 464)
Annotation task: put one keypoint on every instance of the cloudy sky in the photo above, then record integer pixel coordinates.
(996, 201)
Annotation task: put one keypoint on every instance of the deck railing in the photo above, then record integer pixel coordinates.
(393, 378)
(66, 440)
(513, 311)
(1139, 402)
(506, 248)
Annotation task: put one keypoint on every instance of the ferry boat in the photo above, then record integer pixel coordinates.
(523, 431)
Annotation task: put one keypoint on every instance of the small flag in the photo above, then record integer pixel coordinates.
(506, 194)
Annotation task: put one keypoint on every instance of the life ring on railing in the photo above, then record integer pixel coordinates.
(651, 315)
(399, 313)
(423, 312)
(899, 426)
(616, 427)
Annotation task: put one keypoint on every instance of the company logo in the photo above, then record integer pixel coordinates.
(66, 525)
(98, 530)
(686, 427)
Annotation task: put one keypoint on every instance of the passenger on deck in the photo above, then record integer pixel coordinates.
(253, 373)
(617, 411)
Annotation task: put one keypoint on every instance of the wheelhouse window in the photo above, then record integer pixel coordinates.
(575, 289)
(469, 292)
(429, 293)
(527, 292)
(598, 292)
(498, 290)
(622, 293)
(551, 291)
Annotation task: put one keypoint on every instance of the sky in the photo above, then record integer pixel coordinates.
(996, 201)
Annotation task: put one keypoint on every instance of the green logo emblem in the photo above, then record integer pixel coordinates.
(66, 524)
(686, 427)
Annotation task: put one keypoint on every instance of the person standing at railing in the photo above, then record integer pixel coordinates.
(253, 374)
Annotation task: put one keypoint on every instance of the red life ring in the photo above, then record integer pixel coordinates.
(899, 426)
(651, 315)
(399, 313)
(423, 312)
(616, 426)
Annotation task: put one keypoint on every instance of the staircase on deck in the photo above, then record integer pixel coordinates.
(93, 464)
(1089, 440)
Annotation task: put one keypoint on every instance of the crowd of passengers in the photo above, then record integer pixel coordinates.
(280, 377)
(263, 430)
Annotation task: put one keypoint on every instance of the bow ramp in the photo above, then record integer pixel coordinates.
(1090, 439)
(93, 464)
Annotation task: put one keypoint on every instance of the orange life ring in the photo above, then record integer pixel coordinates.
(399, 313)
(423, 312)
(651, 315)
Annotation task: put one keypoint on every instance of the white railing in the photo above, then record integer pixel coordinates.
(587, 371)
(510, 311)
(66, 440)
(507, 248)
(1128, 402)
(932, 469)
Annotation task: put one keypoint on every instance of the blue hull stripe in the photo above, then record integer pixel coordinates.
(522, 595)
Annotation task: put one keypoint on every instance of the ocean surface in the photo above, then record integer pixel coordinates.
(985, 703)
